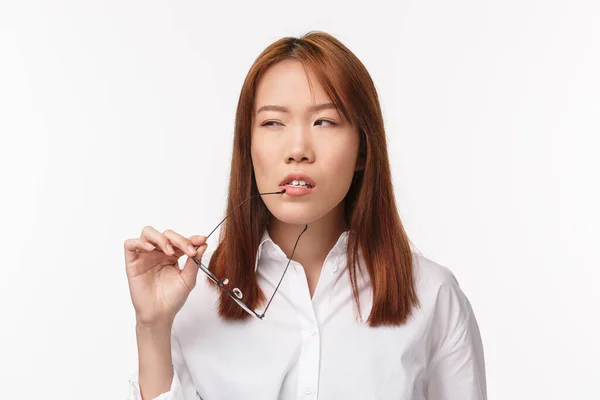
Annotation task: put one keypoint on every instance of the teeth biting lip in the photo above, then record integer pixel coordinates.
(289, 184)
(288, 180)
(292, 190)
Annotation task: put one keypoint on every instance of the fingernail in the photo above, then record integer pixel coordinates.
(170, 249)
(149, 246)
(192, 249)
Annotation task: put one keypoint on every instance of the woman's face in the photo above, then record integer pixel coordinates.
(296, 138)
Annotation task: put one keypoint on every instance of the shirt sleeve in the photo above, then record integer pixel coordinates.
(457, 367)
(182, 387)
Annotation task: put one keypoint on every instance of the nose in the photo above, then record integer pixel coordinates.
(300, 146)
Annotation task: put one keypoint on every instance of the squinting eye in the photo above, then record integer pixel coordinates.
(267, 123)
(325, 120)
(272, 123)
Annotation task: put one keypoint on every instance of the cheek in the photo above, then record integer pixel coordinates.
(265, 153)
(255, 153)
(259, 162)
(258, 150)
(342, 159)
(339, 168)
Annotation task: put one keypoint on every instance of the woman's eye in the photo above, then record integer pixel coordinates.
(273, 123)
(324, 120)
(268, 123)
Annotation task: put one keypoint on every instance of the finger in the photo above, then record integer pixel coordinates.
(135, 245)
(144, 245)
(130, 250)
(189, 273)
(180, 242)
(158, 239)
(197, 240)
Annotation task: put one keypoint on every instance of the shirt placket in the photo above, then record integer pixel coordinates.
(310, 353)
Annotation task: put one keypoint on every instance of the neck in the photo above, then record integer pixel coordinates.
(315, 243)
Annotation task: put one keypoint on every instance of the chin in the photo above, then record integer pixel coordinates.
(297, 213)
(294, 218)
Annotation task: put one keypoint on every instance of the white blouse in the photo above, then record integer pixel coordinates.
(308, 349)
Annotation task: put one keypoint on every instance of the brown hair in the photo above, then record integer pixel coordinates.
(370, 208)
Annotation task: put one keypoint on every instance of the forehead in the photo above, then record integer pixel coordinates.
(287, 84)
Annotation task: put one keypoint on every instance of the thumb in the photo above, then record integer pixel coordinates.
(189, 273)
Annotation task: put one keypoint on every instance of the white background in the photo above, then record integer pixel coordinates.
(119, 114)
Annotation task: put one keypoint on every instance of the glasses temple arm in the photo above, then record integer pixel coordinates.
(286, 267)
(227, 216)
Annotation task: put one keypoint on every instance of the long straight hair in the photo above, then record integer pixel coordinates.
(370, 207)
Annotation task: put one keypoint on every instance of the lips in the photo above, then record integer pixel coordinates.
(297, 177)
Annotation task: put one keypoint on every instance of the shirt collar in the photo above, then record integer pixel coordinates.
(269, 248)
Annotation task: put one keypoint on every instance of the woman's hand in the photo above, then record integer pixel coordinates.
(157, 286)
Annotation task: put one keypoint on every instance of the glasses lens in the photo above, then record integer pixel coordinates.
(244, 306)
(221, 284)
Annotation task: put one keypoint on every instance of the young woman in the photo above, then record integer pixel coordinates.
(313, 291)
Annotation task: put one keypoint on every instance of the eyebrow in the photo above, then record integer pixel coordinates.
(318, 107)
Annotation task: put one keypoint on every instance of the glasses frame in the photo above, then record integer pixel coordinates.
(237, 294)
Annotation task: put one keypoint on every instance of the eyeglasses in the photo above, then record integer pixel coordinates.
(236, 294)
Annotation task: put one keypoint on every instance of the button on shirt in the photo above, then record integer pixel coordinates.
(316, 348)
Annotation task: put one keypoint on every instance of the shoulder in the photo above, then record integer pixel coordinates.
(440, 296)
(454, 346)
(430, 275)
